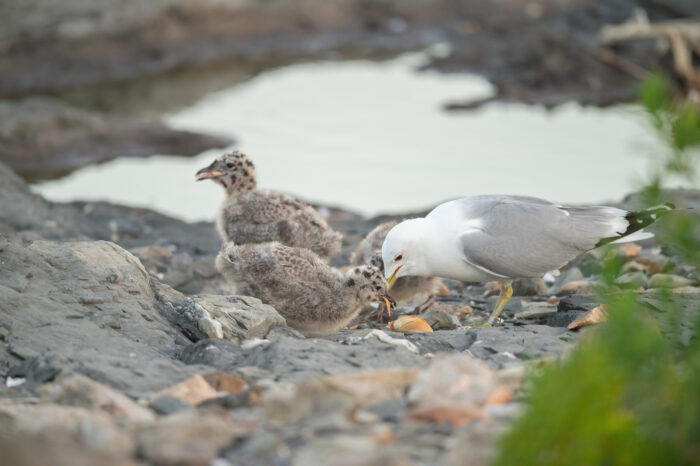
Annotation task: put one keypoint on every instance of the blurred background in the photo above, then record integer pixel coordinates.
(373, 106)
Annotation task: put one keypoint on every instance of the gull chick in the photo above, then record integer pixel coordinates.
(502, 238)
(369, 252)
(313, 297)
(250, 215)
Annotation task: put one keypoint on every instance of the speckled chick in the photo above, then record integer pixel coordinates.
(313, 297)
(369, 252)
(249, 215)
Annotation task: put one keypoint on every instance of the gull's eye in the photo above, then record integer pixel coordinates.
(398, 257)
(229, 165)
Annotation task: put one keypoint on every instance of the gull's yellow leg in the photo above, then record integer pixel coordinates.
(503, 298)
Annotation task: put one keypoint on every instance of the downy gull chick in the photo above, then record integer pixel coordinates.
(250, 215)
(313, 297)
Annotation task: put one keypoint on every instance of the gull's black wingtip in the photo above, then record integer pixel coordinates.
(639, 220)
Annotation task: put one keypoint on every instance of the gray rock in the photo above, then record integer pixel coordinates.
(632, 280)
(94, 431)
(508, 344)
(536, 311)
(78, 390)
(563, 319)
(168, 404)
(278, 332)
(188, 437)
(291, 359)
(440, 319)
(241, 317)
(260, 448)
(36, 370)
(577, 303)
(389, 410)
(87, 307)
(476, 444)
(442, 341)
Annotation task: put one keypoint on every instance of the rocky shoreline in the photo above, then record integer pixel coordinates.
(119, 344)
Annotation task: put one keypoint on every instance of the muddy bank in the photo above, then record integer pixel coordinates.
(45, 138)
(542, 52)
(552, 59)
(75, 45)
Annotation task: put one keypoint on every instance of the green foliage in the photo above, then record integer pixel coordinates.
(630, 392)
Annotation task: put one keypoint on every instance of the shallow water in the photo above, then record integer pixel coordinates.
(372, 137)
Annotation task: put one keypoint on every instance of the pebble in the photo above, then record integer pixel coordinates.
(440, 319)
(663, 280)
(193, 390)
(632, 279)
(168, 404)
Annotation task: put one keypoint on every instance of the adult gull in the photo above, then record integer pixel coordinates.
(502, 238)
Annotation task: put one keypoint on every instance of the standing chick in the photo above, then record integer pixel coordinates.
(250, 215)
(369, 252)
(313, 297)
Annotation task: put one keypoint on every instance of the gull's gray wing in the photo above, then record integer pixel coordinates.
(520, 237)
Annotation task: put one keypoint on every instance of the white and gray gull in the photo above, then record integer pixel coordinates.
(502, 238)
(251, 215)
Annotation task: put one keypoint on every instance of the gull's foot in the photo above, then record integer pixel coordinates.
(420, 309)
(487, 324)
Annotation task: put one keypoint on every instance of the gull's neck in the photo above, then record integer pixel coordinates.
(440, 252)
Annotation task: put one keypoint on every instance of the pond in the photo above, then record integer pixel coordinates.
(373, 137)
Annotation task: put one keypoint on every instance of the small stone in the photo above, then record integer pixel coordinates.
(193, 390)
(629, 250)
(440, 319)
(78, 390)
(589, 265)
(594, 316)
(663, 280)
(453, 380)
(388, 410)
(536, 310)
(187, 438)
(223, 382)
(278, 332)
(687, 290)
(529, 287)
(168, 404)
(590, 288)
(95, 430)
(574, 286)
(655, 262)
(632, 280)
(634, 266)
(373, 386)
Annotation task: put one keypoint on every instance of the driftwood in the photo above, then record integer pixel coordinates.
(683, 37)
(640, 29)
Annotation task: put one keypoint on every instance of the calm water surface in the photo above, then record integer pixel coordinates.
(372, 137)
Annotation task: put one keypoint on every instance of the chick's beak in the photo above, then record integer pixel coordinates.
(392, 277)
(389, 301)
(208, 172)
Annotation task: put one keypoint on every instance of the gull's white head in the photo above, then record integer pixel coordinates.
(402, 252)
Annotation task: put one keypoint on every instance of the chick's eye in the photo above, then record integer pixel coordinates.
(229, 165)
(398, 257)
